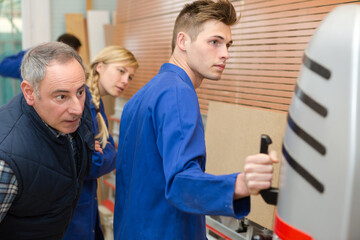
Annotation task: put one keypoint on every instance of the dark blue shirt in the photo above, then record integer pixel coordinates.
(162, 190)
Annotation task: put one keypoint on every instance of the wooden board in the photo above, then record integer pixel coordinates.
(109, 34)
(232, 133)
(89, 5)
(265, 58)
(75, 24)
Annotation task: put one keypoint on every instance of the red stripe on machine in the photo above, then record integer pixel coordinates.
(286, 232)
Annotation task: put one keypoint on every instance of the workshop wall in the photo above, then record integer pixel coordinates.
(264, 62)
(60, 8)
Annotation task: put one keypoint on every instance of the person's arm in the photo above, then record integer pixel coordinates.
(181, 144)
(10, 66)
(8, 189)
(98, 147)
(105, 161)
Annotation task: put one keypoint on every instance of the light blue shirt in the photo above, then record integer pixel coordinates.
(162, 190)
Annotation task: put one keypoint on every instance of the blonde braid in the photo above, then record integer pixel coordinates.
(93, 84)
(110, 54)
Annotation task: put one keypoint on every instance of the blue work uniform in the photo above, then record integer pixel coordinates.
(10, 66)
(162, 190)
(86, 221)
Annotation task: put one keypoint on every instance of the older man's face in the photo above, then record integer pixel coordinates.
(61, 98)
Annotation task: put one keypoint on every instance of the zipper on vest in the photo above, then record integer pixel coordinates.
(82, 153)
(75, 177)
(73, 163)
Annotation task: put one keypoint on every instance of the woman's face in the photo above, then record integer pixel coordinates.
(114, 78)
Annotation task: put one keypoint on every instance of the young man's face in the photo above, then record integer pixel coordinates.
(207, 55)
(61, 96)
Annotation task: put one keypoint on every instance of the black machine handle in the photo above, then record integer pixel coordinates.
(269, 195)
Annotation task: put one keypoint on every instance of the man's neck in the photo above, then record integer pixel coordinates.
(179, 61)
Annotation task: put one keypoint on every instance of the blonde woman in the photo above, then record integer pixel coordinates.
(110, 73)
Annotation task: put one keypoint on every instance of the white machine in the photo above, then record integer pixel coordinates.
(319, 195)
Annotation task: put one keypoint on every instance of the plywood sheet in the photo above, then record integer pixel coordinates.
(109, 34)
(232, 133)
(89, 5)
(75, 24)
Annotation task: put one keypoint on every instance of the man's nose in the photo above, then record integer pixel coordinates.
(225, 53)
(76, 106)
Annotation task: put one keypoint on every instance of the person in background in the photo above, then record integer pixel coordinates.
(46, 145)
(70, 40)
(162, 190)
(10, 65)
(110, 73)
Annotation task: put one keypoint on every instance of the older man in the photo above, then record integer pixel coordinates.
(46, 144)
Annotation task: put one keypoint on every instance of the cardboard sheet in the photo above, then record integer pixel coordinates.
(75, 24)
(234, 132)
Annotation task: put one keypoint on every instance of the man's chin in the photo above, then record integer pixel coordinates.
(214, 75)
(214, 78)
(68, 130)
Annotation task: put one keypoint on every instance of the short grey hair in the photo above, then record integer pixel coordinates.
(36, 60)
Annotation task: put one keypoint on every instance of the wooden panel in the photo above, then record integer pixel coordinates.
(109, 34)
(265, 59)
(76, 25)
(89, 5)
(145, 9)
(232, 133)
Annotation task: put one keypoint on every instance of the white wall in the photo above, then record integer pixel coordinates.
(44, 20)
(58, 10)
(36, 22)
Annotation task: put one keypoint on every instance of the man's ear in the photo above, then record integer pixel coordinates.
(29, 92)
(181, 40)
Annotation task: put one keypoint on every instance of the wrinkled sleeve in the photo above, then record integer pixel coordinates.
(106, 162)
(181, 143)
(10, 66)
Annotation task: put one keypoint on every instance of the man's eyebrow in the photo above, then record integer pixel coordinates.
(218, 36)
(83, 86)
(67, 91)
(60, 91)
